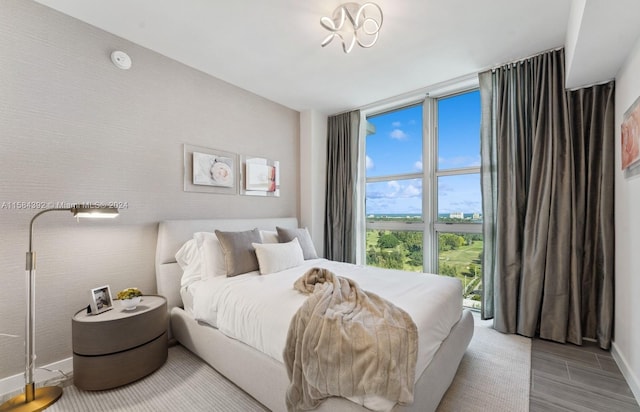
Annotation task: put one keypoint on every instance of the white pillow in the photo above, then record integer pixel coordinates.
(269, 236)
(213, 263)
(190, 260)
(274, 257)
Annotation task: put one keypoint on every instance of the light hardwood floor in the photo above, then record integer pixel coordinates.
(576, 378)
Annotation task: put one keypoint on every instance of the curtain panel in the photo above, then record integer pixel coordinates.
(547, 184)
(340, 206)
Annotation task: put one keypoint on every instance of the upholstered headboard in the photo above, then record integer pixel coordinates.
(172, 234)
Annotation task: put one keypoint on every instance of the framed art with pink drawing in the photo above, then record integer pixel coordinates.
(208, 170)
(630, 135)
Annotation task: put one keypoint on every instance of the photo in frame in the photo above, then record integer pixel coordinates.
(209, 170)
(630, 135)
(260, 176)
(101, 300)
(212, 170)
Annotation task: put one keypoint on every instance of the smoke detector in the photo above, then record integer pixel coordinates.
(121, 60)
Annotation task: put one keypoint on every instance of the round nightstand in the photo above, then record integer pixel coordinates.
(119, 346)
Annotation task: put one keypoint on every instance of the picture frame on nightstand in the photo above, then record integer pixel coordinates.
(101, 300)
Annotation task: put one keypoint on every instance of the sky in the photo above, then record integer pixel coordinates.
(396, 148)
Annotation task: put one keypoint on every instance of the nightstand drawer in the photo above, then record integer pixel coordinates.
(109, 371)
(117, 329)
(119, 346)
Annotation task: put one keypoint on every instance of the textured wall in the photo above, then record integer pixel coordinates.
(74, 128)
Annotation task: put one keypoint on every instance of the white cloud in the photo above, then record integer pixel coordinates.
(460, 161)
(418, 165)
(396, 124)
(394, 185)
(411, 191)
(398, 134)
(368, 163)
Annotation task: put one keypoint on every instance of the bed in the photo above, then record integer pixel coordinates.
(264, 376)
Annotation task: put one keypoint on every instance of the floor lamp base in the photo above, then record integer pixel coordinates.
(44, 397)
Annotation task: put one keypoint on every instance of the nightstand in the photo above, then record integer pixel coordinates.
(119, 346)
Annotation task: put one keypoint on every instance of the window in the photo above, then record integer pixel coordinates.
(423, 201)
(393, 192)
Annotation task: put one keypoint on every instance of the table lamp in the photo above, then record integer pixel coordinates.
(38, 399)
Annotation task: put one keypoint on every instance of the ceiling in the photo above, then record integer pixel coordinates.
(272, 47)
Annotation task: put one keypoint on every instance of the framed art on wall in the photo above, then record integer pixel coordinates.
(212, 170)
(630, 135)
(209, 170)
(260, 176)
(101, 300)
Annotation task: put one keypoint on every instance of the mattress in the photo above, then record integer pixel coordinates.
(257, 309)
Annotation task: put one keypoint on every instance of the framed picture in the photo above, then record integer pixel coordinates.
(260, 177)
(101, 300)
(209, 170)
(212, 170)
(630, 135)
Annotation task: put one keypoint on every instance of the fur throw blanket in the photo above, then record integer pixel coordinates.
(346, 342)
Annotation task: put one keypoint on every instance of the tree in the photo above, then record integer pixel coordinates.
(395, 260)
(448, 270)
(413, 242)
(373, 257)
(388, 241)
(450, 241)
(415, 258)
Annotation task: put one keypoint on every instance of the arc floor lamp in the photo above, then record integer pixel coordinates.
(38, 399)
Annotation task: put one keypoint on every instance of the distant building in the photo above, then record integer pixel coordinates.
(477, 216)
(456, 215)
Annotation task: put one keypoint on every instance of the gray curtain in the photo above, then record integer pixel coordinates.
(547, 181)
(342, 161)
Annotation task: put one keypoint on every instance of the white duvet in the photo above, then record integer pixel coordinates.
(257, 309)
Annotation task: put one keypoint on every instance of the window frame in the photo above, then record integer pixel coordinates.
(429, 224)
(446, 227)
(413, 226)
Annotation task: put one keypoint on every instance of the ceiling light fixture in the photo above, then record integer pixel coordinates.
(363, 25)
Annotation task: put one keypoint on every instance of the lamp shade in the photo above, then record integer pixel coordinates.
(95, 212)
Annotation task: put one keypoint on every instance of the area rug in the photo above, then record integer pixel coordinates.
(493, 376)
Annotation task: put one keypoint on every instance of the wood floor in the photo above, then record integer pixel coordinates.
(576, 378)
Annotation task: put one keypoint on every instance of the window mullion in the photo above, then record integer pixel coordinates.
(388, 178)
(429, 183)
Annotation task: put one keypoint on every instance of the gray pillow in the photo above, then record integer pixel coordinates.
(239, 254)
(287, 235)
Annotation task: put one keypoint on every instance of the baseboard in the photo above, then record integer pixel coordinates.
(15, 384)
(627, 372)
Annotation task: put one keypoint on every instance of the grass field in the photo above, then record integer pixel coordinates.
(460, 259)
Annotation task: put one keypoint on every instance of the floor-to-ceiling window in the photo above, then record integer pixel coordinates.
(423, 201)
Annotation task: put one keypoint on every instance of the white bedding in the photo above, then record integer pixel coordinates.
(257, 309)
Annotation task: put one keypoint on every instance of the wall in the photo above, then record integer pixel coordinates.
(313, 174)
(74, 128)
(626, 346)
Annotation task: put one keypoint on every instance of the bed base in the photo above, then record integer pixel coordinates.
(266, 379)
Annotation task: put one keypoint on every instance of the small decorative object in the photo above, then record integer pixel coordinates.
(209, 171)
(353, 23)
(101, 300)
(631, 135)
(130, 298)
(261, 177)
